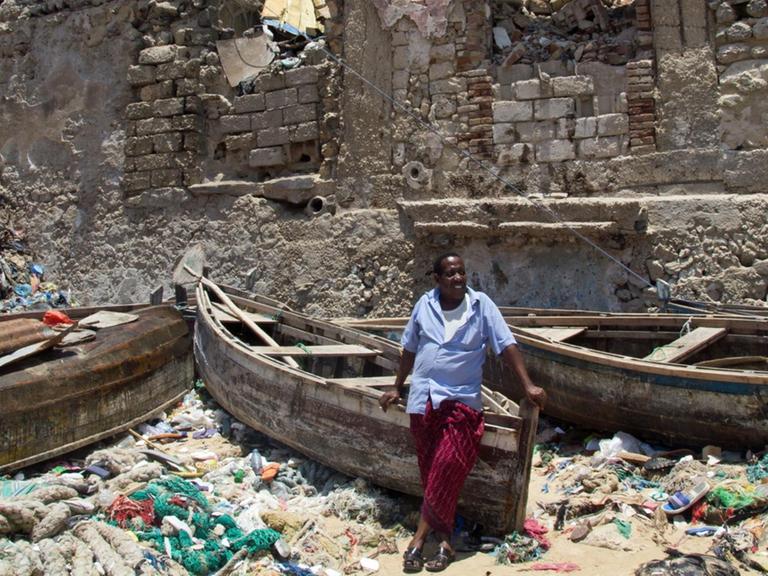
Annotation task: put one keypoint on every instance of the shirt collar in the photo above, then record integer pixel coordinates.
(434, 297)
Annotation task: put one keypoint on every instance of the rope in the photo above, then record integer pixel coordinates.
(491, 170)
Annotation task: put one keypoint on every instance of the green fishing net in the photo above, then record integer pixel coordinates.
(210, 547)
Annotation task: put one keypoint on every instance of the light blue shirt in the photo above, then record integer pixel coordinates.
(452, 370)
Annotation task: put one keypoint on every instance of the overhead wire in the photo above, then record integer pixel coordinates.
(491, 170)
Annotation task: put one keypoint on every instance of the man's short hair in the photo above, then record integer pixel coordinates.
(437, 266)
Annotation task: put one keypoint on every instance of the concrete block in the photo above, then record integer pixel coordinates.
(157, 91)
(270, 82)
(239, 123)
(167, 142)
(600, 147)
(153, 126)
(185, 123)
(268, 119)
(299, 114)
(293, 189)
(138, 145)
(566, 128)
(249, 103)
(188, 87)
(158, 54)
(168, 107)
(262, 157)
(555, 151)
(300, 76)
(573, 86)
(512, 111)
(138, 110)
(171, 70)
(442, 53)
(240, 142)
(308, 94)
(137, 181)
(552, 108)
(274, 137)
(156, 162)
(141, 75)
(612, 124)
(531, 90)
(305, 132)
(504, 134)
(585, 127)
(281, 98)
(166, 177)
(536, 131)
(441, 70)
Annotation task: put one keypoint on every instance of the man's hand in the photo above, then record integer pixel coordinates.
(388, 398)
(536, 395)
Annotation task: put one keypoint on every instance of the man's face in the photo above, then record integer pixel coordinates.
(452, 281)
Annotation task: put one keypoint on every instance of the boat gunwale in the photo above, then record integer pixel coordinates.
(516, 422)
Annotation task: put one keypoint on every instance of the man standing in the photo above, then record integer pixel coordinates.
(444, 343)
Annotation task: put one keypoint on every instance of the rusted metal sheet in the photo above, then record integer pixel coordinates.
(343, 427)
(66, 398)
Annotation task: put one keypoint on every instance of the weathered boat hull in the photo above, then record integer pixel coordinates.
(345, 429)
(64, 399)
(602, 376)
(678, 407)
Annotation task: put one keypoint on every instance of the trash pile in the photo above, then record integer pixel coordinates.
(195, 492)
(531, 31)
(22, 280)
(618, 493)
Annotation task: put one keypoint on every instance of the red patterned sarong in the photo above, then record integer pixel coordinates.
(447, 443)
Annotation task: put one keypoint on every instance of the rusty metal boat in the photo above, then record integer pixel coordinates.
(62, 397)
(314, 386)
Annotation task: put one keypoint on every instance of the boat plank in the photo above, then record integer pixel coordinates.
(372, 381)
(320, 350)
(687, 345)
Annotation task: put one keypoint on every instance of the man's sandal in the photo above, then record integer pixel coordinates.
(440, 560)
(413, 561)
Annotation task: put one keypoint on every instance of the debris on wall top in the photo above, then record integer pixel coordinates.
(531, 31)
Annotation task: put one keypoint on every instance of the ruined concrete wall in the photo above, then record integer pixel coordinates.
(621, 131)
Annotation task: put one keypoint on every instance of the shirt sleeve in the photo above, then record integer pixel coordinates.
(499, 333)
(410, 338)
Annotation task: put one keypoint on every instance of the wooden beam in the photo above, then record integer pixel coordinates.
(368, 382)
(687, 345)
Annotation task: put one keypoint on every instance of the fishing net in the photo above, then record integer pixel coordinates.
(722, 497)
(757, 471)
(212, 538)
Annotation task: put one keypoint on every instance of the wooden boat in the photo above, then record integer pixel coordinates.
(314, 386)
(688, 380)
(59, 399)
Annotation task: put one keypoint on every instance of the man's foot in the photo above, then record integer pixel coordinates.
(440, 560)
(413, 561)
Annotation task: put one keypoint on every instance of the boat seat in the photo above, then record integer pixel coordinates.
(369, 381)
(555, 334)
(317, 351)
(687, 345)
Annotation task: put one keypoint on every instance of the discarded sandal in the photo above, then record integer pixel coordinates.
(679, 502)
(441, 560)
(413, 561)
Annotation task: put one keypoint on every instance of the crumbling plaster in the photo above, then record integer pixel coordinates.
(639, 158)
